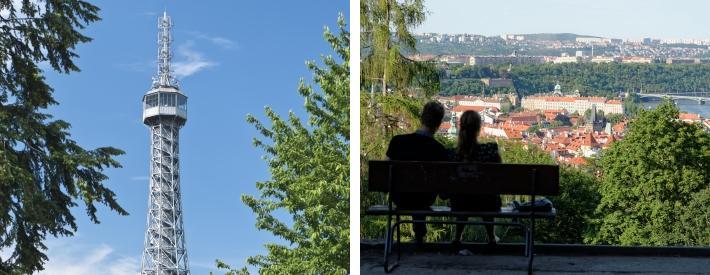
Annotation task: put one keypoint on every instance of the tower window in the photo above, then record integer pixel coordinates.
(151, 101)
(182, 102)
(168, 100)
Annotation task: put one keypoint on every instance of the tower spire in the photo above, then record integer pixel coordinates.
(164, 78)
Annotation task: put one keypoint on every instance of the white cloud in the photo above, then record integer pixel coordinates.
(216, 40)
(139, 178)
(69, 258)
(193, 61)
(221, 41)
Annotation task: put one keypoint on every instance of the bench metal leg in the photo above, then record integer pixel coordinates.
(391, 228)
(389, 240)
(399, 239)
(531, 253)
(526, 235)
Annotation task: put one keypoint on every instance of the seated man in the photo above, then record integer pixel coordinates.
(419, 146)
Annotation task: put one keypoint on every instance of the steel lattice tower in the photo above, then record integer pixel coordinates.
(164, 112)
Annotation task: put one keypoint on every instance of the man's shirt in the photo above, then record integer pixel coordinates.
(417, 146)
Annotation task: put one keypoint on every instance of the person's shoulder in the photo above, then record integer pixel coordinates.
(402, 137)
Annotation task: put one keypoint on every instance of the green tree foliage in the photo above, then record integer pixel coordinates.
(385, 35)
(632, 105)
(614, 118)
(469, 86)
(575, 204)
(43, 173)
(466, 80)
(606, 80)
(656, 183)
(309, 165)
(588, 114)
(395, 114)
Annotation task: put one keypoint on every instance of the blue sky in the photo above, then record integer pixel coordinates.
(614, 18)
(233, 58)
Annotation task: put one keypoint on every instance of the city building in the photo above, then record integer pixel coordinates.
(690, 118)
(594, 124)
(682, 61)
(457, 111)
(505, 60)
(572, 104)
(481, 102)
(566, 59)
(454, 59)
(589, 40)
(637, 59)
(605, 59)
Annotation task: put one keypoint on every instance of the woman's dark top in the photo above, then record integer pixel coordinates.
(484, 152)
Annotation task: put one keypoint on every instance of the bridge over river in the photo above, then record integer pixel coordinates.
(700, 97)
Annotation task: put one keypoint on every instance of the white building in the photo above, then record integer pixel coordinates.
(589, 40)
(566, 59)
(572, 104)
(490, 103)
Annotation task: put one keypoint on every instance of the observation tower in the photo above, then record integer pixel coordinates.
(164, 112)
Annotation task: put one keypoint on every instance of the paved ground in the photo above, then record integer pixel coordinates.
(444, 263)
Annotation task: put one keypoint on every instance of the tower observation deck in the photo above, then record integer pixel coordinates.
(164, 112)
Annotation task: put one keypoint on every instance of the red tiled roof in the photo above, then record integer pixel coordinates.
(512, 134)
(561, 139)
(562, 129)
(520, 127)
(577, 161)
(619, 127)
(523, 114)
(590, 141)
(688, 116)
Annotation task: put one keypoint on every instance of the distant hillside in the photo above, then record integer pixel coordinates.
(554, 36)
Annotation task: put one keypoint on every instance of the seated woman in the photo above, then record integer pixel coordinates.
(469, 149)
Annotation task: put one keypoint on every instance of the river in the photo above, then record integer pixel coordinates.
(685, 106)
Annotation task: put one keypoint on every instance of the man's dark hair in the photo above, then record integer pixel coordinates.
(432, 114)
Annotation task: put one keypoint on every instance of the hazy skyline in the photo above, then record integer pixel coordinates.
(608, 18)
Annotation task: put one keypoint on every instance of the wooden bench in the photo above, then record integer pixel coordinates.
(464, 178)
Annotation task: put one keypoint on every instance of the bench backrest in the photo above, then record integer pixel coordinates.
(462, 177)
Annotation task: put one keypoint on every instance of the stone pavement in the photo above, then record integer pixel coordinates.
(448, 263)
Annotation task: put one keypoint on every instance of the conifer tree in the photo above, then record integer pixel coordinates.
(43, 173)
(386, 39)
